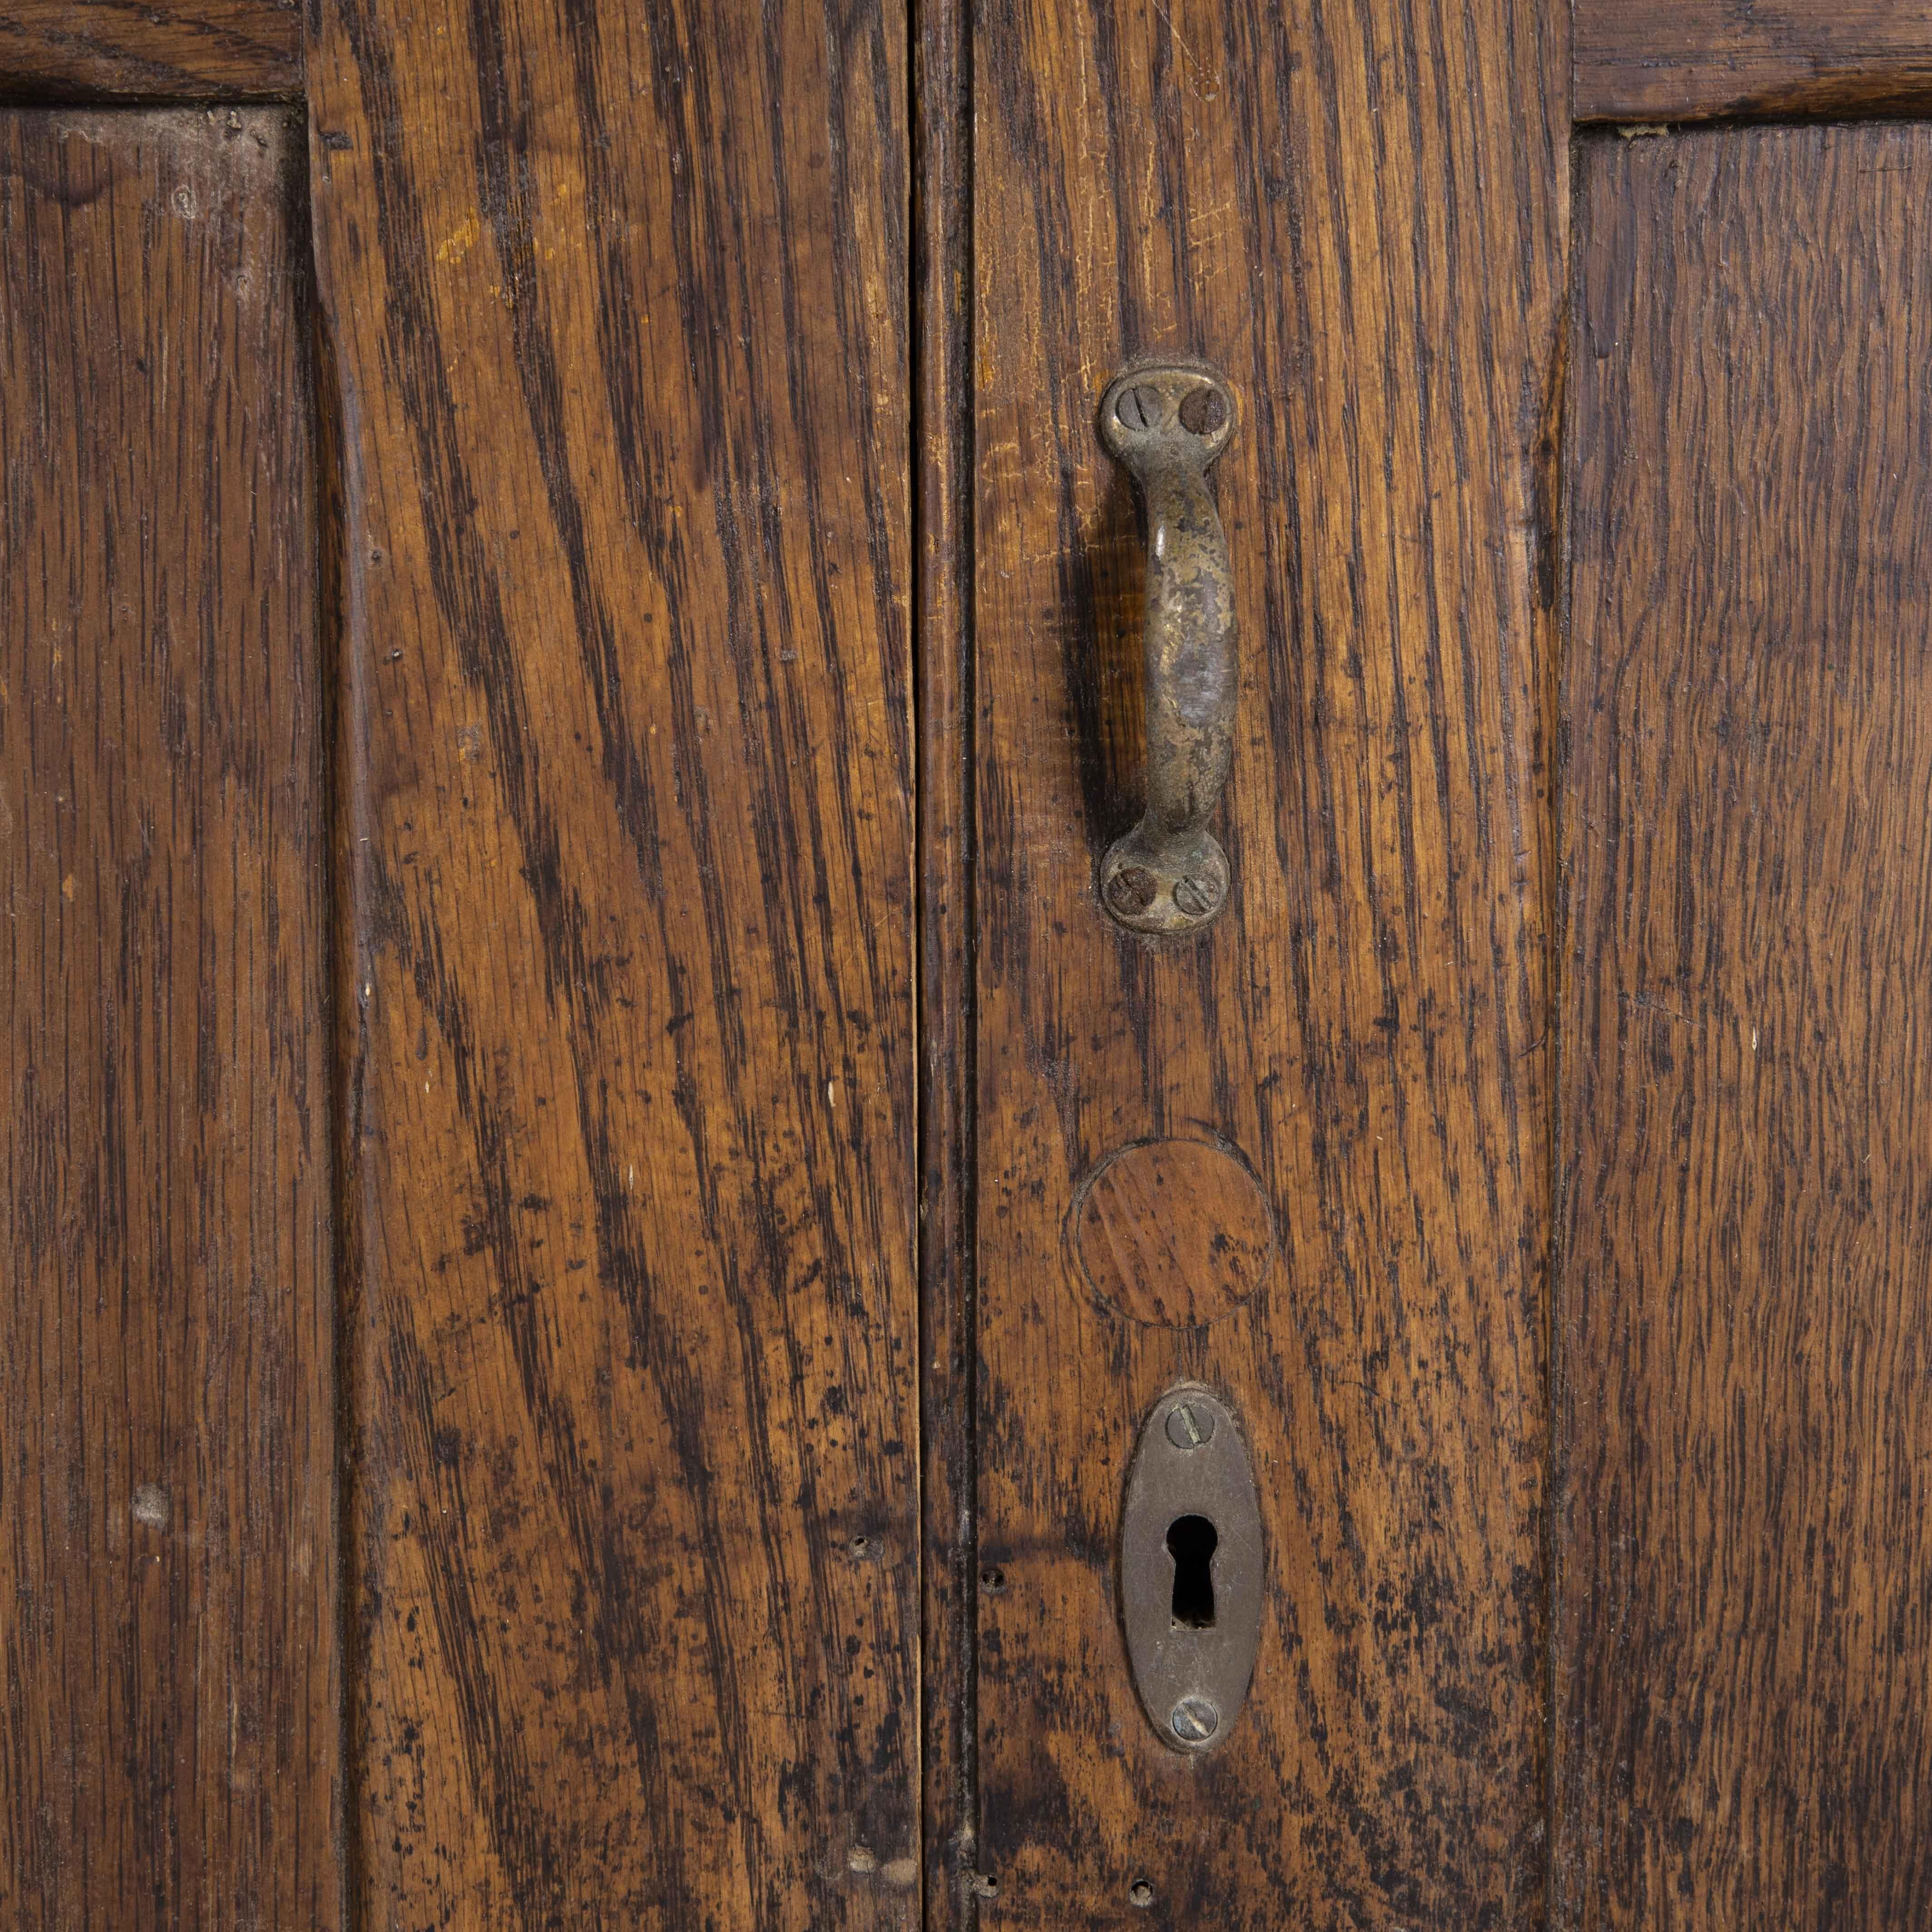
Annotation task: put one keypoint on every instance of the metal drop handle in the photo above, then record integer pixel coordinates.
(1167, 421)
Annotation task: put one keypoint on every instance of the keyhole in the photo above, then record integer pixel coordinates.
(1190, 1542)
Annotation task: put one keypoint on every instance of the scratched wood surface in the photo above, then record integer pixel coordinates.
(224, 50)
(169, 1751)
(942, 289)
(1695, 60)
(617, 299)
(1360, 213)
(1743, 1632)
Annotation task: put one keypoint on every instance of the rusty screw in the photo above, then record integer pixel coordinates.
(1195, 1720)
(1204, 412)
(1189, 1428)
(1132, 889)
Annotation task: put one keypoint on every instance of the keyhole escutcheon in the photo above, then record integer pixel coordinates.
(1191, 1568)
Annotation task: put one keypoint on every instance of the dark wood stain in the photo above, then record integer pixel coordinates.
(168, 1753)
(1699, 60)
(617, 298)
(225, 50)
(771, 1193)
(942, 292)
(1359, 212)
(1743, 1424)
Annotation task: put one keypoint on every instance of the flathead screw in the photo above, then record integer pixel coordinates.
(1195, 1720)
(1196, 897)
(1189, 1428)
(1132, 889)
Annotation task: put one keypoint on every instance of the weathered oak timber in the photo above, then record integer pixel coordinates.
(617, 297)
(1743, 1430)
(227, 51)
(1359, 214)
(1701, 60)
(168, 1749)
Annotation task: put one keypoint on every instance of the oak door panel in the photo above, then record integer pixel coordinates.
(1744, 1429)
(1360, 214)
(169, 1755)
(617, 300)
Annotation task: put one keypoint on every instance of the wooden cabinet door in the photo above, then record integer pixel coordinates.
(598, 1204)
(1742, 1558)
(462, 1361)
(1326, 1114)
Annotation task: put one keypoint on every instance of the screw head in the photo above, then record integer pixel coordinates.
(1204, 411)
(1197, 896)
(1189, 1426)
(1138, 407)
(1195, 1720)
(1132, 889)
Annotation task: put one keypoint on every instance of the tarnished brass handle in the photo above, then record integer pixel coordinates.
(1167, 421)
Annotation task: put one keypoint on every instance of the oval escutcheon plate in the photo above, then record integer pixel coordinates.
(1191, 1567)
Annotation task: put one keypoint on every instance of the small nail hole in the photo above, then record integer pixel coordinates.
(1141, 1893)
(993, 1581)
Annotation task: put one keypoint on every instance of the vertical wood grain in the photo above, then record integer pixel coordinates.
(169, 1746)
(618, 300)
(1359, 211)
(942, 286)
(1743, 1638)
